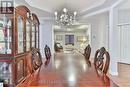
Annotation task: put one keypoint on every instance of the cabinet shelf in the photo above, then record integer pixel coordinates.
(8, 41)
(6, 28)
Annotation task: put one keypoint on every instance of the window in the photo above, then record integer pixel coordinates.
(69, 39)
(6, 7)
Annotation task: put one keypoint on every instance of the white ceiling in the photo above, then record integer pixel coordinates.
(72, 28)
(45, 8)
(40, 12)
(54, 5)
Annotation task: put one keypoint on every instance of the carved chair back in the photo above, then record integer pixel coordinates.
(47, 52)
(102, 60)
(87, 52)
(36, 58)
(29, 63)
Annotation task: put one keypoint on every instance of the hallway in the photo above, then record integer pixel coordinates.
(65, 70)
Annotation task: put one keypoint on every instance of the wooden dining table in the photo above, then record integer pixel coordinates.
(68, 70)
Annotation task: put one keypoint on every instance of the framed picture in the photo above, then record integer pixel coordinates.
(69, 39)
(82, 38)
(59, 37)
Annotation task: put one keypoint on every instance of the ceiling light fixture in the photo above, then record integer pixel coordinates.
(65, 18)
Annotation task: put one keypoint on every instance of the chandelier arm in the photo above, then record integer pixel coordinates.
(66, 18)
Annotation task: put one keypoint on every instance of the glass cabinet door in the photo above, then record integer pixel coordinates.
(33, 35)
(27, 36)
(5, 35)
(20, 28)
(37, 37)
(6, 72)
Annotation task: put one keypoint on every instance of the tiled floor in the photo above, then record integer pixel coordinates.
(123, 80)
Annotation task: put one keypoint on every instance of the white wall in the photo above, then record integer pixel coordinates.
(123, 11)
(124, 28)
(46, 35)
(125, 4)
(117, 17)
(99, 31)
(113, 41)
(105, 33)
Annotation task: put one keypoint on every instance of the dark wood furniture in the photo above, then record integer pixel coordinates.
(47, 54)
(67, 71)
(36, 58)
(35, 31)
(87, 52)
(102, 60)
(30, 68)
(19, 33)
(58, 47)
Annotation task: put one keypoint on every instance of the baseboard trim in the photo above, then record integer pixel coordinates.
(124, 63)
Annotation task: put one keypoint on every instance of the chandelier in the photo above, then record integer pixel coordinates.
(65, 18)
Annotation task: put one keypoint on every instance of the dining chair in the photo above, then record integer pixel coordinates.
(30, 69)
(47, 54)
(96, 54)
(87, 52)
(58, 47)
(36, 58)
(102, 60)
(29, 63)
(33, 62)
(103, 77)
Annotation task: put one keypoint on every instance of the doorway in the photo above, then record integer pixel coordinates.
(72, 38)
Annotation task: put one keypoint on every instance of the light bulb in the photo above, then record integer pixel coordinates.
(75, 13)
(56, 13)
(65, 10)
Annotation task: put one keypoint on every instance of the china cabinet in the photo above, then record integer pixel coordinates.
(35, 31)
(19, 33)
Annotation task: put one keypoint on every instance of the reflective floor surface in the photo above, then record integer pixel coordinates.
(68, 70)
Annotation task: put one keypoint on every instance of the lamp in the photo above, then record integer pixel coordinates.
(65, 18)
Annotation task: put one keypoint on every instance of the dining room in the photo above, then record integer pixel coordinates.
(64, 43)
